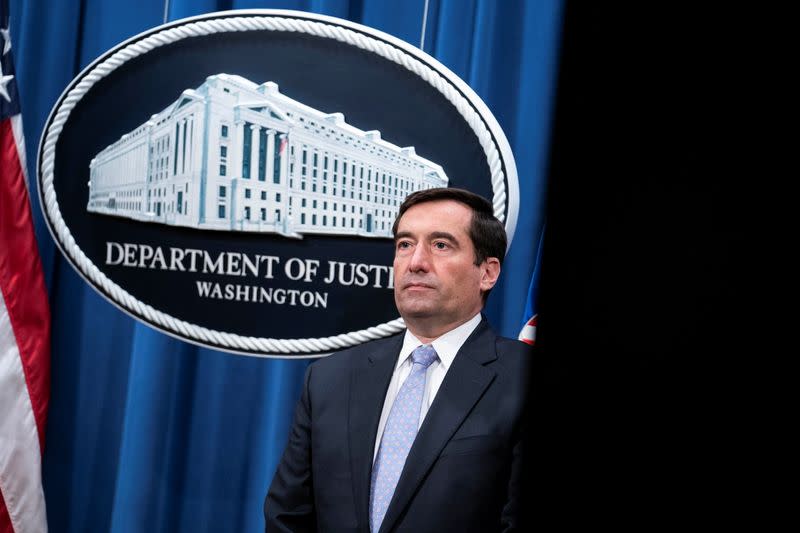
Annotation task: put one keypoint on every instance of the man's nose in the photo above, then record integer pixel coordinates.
(420, 259)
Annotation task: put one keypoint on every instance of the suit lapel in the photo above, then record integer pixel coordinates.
(464, 384)
(368, 384)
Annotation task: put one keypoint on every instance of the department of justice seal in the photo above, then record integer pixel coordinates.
(232, 179)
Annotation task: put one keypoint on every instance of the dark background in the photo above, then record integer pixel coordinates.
(639, 406)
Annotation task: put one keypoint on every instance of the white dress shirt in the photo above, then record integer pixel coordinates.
(446, 347)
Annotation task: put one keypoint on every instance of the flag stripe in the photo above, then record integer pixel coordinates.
(19, 140)
(24, 348)
(20, 457)
(5, 520)
(21, 279)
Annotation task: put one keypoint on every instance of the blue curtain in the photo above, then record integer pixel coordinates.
(148, 433)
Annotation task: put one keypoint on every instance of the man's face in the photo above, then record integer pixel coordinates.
(436, 279)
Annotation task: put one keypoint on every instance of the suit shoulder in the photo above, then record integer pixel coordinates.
(513, 347)
(514, 354)
(514, 363)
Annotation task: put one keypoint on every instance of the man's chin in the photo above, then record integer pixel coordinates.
(417, 311)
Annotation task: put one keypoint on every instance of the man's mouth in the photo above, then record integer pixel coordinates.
(417, 286)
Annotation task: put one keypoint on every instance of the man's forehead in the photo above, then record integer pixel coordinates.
(436, 216)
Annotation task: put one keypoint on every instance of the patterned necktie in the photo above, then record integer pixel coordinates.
(398, 436)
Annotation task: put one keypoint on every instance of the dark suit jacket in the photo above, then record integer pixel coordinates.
(462, 473)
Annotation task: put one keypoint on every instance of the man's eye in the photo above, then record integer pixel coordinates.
(402, 245)
(440, 245)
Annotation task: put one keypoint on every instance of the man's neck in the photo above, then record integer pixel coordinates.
(423, 339)
(427, 332)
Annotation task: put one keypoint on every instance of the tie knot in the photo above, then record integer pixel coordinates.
(424, 355)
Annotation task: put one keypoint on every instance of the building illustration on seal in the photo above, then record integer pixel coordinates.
(237, 156)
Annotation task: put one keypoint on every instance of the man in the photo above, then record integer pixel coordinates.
(420, 431)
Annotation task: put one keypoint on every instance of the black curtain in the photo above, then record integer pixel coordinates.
(644, 309)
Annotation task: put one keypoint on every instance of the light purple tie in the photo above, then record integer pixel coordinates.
(398, 436)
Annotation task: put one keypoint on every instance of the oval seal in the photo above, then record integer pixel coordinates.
(232, 179)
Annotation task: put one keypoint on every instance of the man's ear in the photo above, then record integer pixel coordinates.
(490, 271)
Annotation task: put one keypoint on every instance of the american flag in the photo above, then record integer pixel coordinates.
(24, 321)
(528, 332)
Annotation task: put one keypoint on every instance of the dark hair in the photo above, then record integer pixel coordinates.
(487, 233)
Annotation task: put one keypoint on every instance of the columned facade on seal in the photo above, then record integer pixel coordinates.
(234, 155)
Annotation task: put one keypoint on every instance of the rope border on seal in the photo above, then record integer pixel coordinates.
(247, 344)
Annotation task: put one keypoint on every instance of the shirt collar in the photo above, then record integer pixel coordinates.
(446, 345)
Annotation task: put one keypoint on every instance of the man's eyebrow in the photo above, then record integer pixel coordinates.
(434, 235)
(444, 235)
